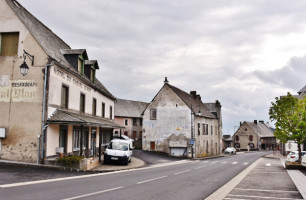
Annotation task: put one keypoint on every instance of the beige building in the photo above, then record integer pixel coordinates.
(58, 106)
(180, 124)
(255, 135)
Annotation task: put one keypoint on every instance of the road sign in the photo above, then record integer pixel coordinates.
(191, 141)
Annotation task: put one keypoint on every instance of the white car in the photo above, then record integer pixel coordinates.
(118, 151)
(293, 156)
(230, 150)
(304, 160)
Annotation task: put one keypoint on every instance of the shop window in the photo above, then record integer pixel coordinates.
(9, 44)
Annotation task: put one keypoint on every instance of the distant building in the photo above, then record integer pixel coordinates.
(128, 114)
(180, 124)
(255, 135)
(227, 141)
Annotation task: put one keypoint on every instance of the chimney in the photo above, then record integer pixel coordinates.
(240, 123)
(261, 121)
(198, 97)
(255, 121)
(193, 94)
(166, 80)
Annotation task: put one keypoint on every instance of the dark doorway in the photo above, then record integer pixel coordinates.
(152, 146)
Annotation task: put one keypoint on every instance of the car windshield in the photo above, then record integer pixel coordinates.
(116, 145)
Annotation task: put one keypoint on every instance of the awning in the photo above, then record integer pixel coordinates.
(68, 117)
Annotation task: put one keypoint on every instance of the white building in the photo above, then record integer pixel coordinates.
(180, 124)
(76, 110)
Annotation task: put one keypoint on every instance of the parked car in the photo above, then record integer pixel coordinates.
(304, 160)
(293, 156)
(230, 150)
(118, 151)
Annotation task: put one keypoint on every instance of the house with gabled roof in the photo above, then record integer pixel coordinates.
(51, 102)
(128, 114)
(256, 135)
(180, 124)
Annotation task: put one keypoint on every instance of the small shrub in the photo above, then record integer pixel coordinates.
(69, 160)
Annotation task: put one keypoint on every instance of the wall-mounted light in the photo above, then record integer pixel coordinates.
(24, 67)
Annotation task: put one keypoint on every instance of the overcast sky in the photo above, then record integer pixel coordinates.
(243, 53)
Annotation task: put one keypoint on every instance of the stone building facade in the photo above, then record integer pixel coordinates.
(180, 124)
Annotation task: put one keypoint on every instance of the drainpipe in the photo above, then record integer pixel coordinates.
(43, 125)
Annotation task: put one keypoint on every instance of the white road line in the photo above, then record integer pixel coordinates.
(268, 164)
(261, 197)
(92, 175)
(234, 163)
(94, 193)
(153, 179)
(225, 162)
(285, 191)
(245, 163)
(200, 167)
(182, 172)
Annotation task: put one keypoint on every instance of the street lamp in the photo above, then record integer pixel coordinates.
(192, 126)
(24, 67)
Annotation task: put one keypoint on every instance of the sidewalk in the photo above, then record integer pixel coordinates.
(135, 163)
(266, 178)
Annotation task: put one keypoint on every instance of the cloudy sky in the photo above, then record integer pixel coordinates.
(242, 52)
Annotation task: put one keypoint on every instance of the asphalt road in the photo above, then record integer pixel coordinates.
(183, 179)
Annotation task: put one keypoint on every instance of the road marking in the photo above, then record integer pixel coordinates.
(245, 163)
(182, 172)
(263, 197)
(153, 179)
(268, 164)
(285, 191)
(268, 172)
(225, 162)
(200, 167)
(94, 193)
(234, 163)
(92, 175)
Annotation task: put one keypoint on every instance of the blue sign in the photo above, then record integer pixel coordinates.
(191, 141)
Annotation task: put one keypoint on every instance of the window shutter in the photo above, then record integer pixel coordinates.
(9, 44)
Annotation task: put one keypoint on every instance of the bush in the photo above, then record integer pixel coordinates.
(69, 160)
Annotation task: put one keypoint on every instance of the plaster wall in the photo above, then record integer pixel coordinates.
(173, 117)
(59, 77)
(20, 96)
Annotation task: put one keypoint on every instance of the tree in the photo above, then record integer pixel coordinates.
(290, 116)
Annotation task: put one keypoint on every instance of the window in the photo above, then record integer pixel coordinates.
(92, 75)
(9, 44)
(237, 145)
(76, 139)
(81, 65)
(126, 122)
(64, 96)
(153, 114)
(86, 139)
(246, 129)
(126, 133)
(203, 129)
(251, 137)
(63, 137)
(111, 112)
(82, 103)
(199, 129)
(94, 106)
(134, 122)
(103, 110)
(251, 145)
(237, 138)
(140, 122)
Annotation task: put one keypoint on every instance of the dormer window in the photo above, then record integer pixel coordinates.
(90, 69)
(76, 58)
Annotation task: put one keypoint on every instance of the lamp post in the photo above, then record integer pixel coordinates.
(192, 126)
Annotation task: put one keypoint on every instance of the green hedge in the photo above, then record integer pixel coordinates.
(69, 160)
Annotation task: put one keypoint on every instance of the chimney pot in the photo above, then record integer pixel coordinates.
(166, 80)
(255, 121)
(193, 94)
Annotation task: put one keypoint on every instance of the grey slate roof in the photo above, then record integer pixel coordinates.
(303, 90)
(129, 108)
(72, 51)
(190, 101)
(262, 129)
(68, 117)
(53, 45)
